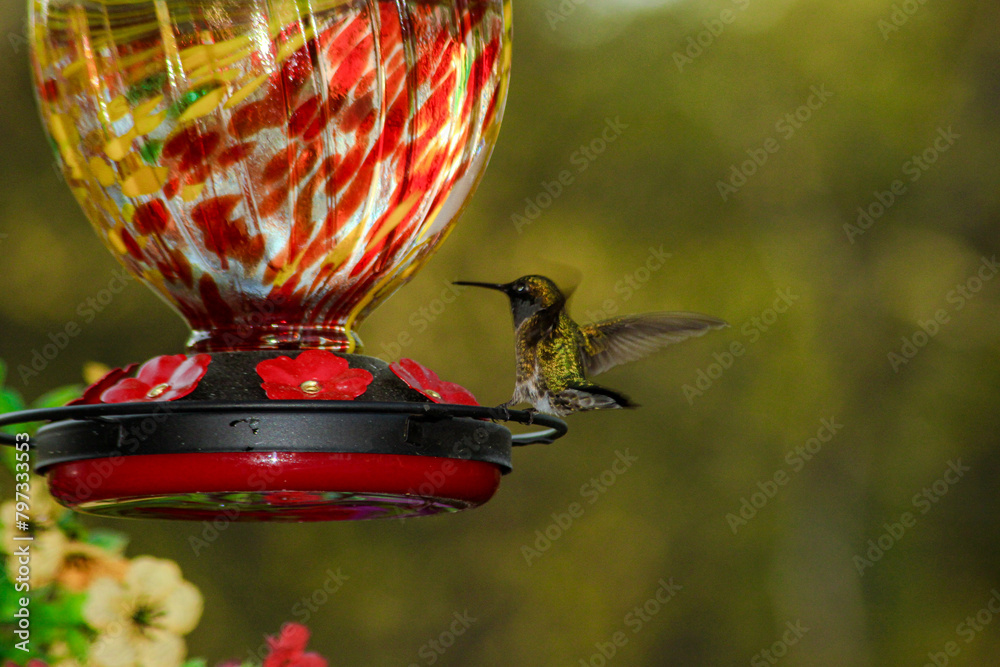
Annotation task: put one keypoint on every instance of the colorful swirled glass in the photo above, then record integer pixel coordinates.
(273, 168)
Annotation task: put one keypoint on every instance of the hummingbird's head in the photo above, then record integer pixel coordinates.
(528, 295)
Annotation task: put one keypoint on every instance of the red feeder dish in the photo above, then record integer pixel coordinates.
(254, 486)
(222, 449)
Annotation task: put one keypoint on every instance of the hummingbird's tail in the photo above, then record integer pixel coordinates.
(602, 398)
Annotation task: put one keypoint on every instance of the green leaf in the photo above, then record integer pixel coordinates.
(196, 662)
(58, 397)
(46, 616)
(69, 522)
(8, 594)
(72, 608)
(10, 401)
(78, 640)
(109, 540)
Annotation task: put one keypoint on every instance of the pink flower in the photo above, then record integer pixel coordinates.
(164, 378)
(288, 649)
(314, 374)
(430, 385)
(92, 394)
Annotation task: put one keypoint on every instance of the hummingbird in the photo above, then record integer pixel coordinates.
(554, 355)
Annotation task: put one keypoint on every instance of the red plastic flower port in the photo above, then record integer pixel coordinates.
(288, 648)
(92, 394)
(314, 374)
(430, 385)
(164, 378)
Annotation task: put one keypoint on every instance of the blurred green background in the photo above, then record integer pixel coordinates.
(687, 114)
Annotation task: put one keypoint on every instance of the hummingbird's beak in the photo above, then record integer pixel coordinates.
(499, 288)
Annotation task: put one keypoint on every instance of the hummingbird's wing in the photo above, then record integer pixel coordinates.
(621, 339)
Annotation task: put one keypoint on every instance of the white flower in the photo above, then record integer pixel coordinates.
(141, 619)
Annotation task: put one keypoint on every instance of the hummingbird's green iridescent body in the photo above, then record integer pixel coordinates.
(549, 360)
(554, 354)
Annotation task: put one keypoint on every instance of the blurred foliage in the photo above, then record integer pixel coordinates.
(826, 357)
(11, 401)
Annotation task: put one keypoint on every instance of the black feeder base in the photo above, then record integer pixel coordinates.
(226, 452)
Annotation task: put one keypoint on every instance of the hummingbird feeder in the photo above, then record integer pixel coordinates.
(274, 170)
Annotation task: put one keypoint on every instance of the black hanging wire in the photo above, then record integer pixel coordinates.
(554, 428)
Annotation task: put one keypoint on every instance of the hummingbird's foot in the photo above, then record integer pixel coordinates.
(506, 411)
(531, 415)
